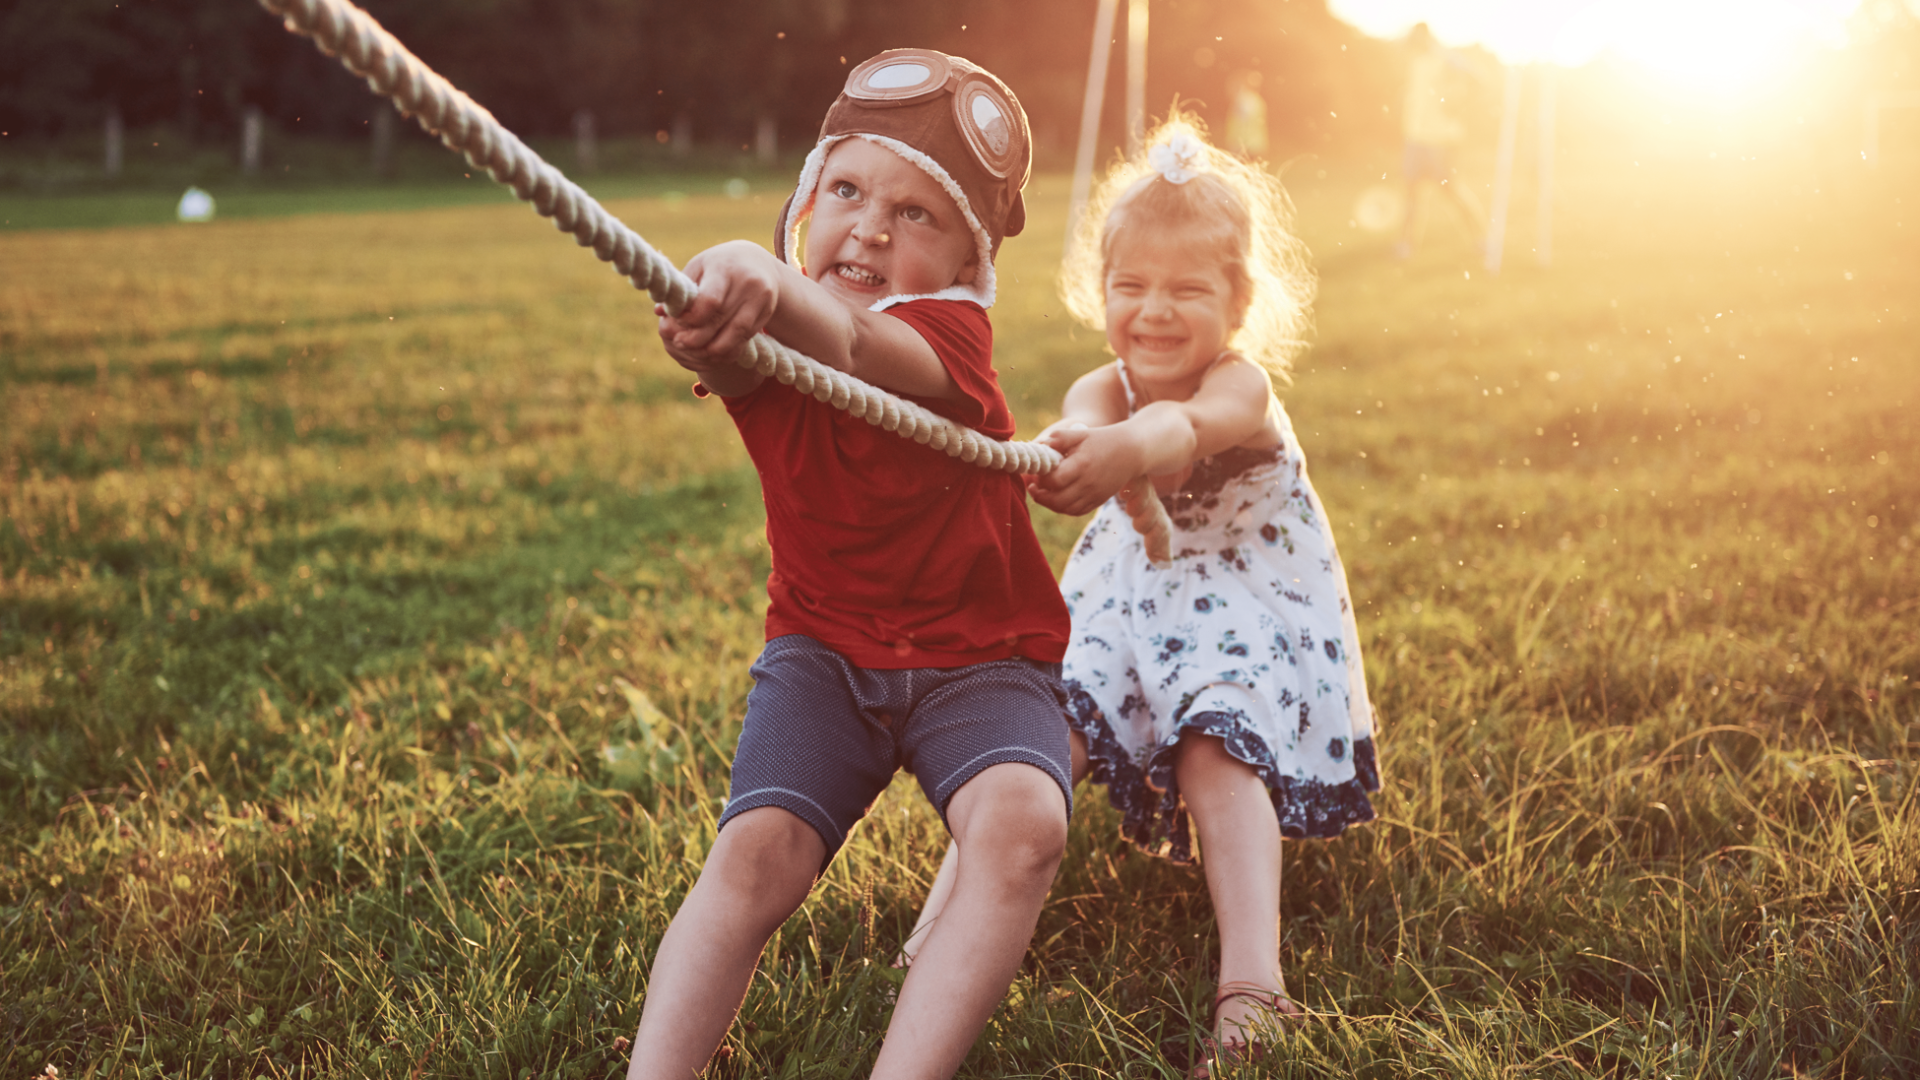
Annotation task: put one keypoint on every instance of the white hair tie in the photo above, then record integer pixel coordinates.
(1177, 159)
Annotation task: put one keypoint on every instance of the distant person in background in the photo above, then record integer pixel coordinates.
(1431, 134)
(1246, 115)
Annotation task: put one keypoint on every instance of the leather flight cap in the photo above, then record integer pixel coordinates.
(956, 113)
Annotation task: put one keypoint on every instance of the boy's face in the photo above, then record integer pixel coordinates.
(882, 227)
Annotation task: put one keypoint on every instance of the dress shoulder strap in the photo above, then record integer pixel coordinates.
(1126, 384)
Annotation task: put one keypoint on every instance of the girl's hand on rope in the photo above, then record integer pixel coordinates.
(1095, 470)
(1099, 462)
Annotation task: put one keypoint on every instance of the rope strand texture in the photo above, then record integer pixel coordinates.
(350, 35)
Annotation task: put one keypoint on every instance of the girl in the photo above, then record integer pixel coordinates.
(1232, 669)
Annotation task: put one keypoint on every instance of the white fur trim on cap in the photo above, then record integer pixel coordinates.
(982, 289)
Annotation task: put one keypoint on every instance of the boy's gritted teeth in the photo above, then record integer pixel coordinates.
(859, 276)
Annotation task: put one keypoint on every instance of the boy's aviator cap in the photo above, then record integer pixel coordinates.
(950, 117)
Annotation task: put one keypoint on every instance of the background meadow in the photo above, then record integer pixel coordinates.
(376, 603)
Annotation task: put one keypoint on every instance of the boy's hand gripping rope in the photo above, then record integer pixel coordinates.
(350, 35)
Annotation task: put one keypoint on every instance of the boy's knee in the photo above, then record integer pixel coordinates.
(1042, 846)
(768, 855)
(1016, 811)
(1036, 834)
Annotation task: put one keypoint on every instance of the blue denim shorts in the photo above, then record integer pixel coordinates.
(823, 737)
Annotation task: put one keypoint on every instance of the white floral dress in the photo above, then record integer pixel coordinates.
(1248, 635)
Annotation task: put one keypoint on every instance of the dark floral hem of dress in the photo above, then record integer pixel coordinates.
(1154, 818)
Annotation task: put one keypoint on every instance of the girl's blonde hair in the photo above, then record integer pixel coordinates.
(1230, 202)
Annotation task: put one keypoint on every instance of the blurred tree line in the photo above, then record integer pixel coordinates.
(719, 69)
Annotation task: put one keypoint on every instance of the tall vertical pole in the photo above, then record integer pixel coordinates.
(1090, 115)
(766, 139)
(1871, 155)
(116, 141)
(253, 125)
(382, 125)
(1136, 74)
(1503, 172)
(1544, 242)
(586, 141)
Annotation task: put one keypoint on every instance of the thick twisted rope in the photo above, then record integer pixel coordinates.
(350, 35)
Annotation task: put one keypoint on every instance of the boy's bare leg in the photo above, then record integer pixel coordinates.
(1240, 851)
(1009, 826)
(942, 889)
(759, 872)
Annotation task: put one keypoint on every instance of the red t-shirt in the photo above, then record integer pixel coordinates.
(893, 554)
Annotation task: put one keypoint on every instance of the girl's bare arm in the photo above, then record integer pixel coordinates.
(1230, 408)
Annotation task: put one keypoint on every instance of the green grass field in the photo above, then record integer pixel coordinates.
(376, 603)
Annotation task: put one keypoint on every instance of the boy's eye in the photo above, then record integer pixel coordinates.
(916, 214)
(845, 189)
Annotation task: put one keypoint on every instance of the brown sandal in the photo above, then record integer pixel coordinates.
(1225, 1051)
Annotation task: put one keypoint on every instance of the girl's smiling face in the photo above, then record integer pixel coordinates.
(882, 227)
(1171, 309)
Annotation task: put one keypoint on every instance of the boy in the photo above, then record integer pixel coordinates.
(912, 618)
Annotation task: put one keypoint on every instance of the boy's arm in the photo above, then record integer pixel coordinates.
(1163, 437)
(722, 376)
(744, 290)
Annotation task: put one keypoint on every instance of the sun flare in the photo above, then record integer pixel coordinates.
(1712, 45)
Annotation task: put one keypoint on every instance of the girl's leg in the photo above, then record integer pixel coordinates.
(936, 901)
(759, 872)
(1240, 851)
(932, 907)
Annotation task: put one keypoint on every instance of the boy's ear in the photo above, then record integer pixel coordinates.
(969, 270)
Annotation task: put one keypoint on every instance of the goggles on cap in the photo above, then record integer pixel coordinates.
(992, 125)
